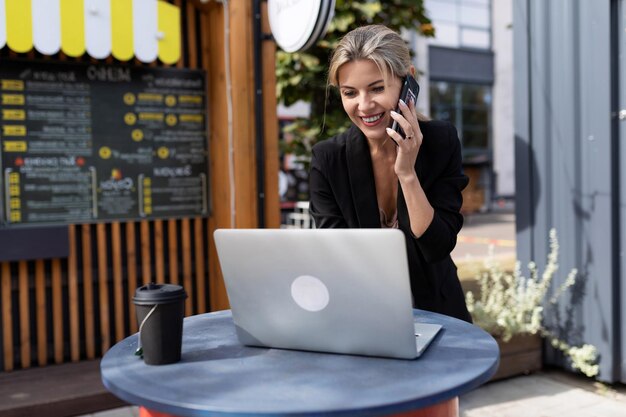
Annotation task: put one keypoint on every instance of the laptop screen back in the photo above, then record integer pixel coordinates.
(329, 290)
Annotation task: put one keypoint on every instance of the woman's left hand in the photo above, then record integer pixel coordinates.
(409, 145)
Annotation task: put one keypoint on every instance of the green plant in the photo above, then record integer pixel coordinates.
(302, 75)
(511, 304)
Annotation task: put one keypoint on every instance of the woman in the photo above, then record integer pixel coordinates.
(362, 179)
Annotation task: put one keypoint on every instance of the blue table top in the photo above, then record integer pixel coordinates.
(217, 376)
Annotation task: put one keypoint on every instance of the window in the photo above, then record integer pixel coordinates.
(468, 107)
(461, 23)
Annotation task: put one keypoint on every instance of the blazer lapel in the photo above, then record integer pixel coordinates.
(361, 176)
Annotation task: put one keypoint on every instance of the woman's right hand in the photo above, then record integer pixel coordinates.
(409, 145)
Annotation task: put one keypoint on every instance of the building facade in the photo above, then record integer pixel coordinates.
(465, 72)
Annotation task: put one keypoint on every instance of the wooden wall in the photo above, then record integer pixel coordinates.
(75, 308)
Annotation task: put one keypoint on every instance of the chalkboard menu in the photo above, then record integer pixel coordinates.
(84, 143)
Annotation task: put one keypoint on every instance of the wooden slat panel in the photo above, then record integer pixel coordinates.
(24, 314)
(90, 334)
(131, 269)
(215, 276)
(40, 299)
(158, 252)
(146, 268)
(74, 301)
(172, 243)
(216, 281)
(192, 62)
(212, 35)
(270, 126)
(7, 316)
(200, 270)
(118, 286)
(187, 283)
(105, 332)
(57, 311)
(243, 127)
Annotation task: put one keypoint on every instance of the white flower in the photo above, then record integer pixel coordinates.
(511, 304)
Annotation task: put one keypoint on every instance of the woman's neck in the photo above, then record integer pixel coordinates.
(382, 147)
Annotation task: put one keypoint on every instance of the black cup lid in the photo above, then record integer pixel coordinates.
(158, 294)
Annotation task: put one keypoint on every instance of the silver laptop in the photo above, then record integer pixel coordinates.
(327, 290)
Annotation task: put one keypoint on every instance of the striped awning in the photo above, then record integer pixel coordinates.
(145, 29)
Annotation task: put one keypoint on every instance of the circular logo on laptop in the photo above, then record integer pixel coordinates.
(310, 293)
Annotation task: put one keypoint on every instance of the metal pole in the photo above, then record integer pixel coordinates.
(258, 109)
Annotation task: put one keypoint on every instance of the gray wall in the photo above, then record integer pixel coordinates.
(619, 126)
(566, 164)
(502, 110)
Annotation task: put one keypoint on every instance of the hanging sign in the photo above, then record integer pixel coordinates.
(297, 24)
(83, 143)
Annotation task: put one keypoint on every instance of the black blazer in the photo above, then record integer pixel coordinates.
(343, 195)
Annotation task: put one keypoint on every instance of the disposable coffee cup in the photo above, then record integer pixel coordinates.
(160, 311)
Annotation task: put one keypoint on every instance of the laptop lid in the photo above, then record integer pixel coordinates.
(329, 290)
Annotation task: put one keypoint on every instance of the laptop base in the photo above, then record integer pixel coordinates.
(424, 334)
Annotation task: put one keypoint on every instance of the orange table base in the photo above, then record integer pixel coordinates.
(448, 408)
(144, 412)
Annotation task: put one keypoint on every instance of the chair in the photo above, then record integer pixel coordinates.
(300, 218)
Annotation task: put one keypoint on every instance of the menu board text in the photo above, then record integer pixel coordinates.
(85, 143)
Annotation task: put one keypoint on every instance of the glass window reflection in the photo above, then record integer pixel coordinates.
(460, 23)
(468, 107)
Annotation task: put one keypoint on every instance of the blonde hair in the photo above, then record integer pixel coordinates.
(376, 43)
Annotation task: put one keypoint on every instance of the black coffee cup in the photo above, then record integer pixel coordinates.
(160, 311)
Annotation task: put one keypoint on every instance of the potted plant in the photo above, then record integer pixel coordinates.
(511, 307)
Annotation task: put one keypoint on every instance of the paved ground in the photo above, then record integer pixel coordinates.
(551, 393)
(545, 394)
(482, 230)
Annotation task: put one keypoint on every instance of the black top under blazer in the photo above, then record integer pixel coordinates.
(343, 195)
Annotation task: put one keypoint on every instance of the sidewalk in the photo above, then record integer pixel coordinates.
(550, 393)
(482, 230)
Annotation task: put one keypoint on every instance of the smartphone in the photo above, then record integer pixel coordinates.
(409, 92)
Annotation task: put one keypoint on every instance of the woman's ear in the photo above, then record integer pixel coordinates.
(412, 70)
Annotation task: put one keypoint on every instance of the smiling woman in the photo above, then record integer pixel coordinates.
(362, 179)
(366, 99)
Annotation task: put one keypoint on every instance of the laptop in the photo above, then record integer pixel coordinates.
(326, 290)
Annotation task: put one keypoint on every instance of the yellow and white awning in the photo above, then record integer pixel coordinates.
(146, 29)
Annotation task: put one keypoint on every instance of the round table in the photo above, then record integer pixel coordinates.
(217, 376)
